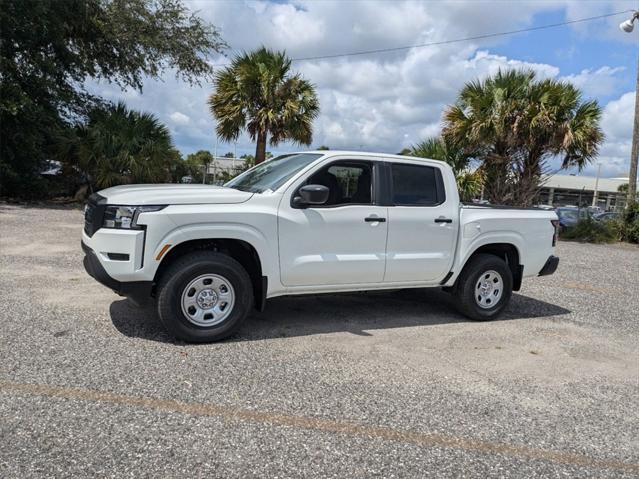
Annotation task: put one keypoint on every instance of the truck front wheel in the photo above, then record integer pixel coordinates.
(484, 287)
(204, 296)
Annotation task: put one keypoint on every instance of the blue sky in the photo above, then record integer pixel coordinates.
(576, 50)
(385, 102)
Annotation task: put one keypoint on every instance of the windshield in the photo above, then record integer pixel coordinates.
(272, 174)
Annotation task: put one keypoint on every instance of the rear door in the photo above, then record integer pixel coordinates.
(422, 224)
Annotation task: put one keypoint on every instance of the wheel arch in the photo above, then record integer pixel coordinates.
(506, 251)
(240, 250)
(510, 254)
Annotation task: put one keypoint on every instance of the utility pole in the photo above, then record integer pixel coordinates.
(217, 138)
(627, 27)
(594, 195)
(234, 156)
(634, 152)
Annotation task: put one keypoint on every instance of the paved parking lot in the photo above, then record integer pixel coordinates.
(385, 384)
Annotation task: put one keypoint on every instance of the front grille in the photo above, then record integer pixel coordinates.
(94, 214)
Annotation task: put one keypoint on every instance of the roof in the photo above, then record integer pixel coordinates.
(366, 153)
(389, 156)
(572, 182)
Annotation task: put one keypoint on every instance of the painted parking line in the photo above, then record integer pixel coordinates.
(317, 424)
(585, 287)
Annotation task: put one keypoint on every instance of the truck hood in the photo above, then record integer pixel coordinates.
(171, 194)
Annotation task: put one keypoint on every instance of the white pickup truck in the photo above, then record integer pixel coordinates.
(308, 223)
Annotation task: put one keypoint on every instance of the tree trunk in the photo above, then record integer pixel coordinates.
(260, 149)
(527, 180)
(497, 188)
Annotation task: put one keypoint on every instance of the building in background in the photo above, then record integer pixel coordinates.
(221, 170)
(572, 190)
(224, 167)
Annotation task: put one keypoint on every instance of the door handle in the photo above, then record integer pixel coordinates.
(374, 219)
(443, 220)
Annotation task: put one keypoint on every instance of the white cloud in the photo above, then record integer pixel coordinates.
(179, 118)
(618, 116)
(600, 82)
(616, 122)
(378, 102)
(391, 105)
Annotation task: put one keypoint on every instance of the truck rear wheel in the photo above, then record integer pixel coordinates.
(204, 296)
(484, 287)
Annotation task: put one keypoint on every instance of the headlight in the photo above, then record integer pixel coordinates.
(125, 217)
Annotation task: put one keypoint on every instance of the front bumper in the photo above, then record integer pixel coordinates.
(138, 291)
(550, 267)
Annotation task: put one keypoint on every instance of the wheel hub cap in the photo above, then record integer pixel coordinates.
(489, 289)
(206, 298)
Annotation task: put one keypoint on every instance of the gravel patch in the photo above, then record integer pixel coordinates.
(558, 375)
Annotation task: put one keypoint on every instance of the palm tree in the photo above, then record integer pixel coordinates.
(469, 182)
(258, 93)
(516, 124)
(198, 164)
(118, 145)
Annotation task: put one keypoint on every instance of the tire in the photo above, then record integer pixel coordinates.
(484, 287)
(204, 296)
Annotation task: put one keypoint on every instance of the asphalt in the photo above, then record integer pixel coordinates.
(387, 384)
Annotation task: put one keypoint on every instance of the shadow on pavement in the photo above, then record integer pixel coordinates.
(355, 313)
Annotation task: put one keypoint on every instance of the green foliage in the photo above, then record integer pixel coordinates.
(197, 163)
(628, 225)
(323, 148)
(49, 49)
(632, 232)
(257, 92)
(469, 183)
(249, 161)
(119, 146)
(175, 167)
(515, 123)
(590, 230)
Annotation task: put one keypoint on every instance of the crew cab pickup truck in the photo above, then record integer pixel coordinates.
(308, 223)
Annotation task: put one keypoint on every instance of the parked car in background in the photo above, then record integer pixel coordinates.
(308, 223)
(608, 216)
(570, 216)
(595, 210)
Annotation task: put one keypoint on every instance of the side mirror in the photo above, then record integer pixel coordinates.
(311, 195)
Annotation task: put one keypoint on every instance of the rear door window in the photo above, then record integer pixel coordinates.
(416, 185)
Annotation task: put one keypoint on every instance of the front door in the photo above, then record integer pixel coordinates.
(340, 242)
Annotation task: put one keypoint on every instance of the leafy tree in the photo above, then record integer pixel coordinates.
(198, 164)
(469, 182)
(516, 123)
(257, 92)
(175, 167)
(323, 148)
(118, 146)
(249, 162)
(48, 50)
